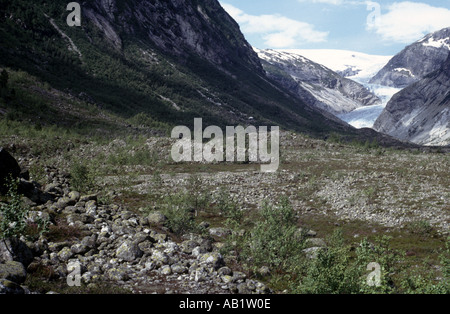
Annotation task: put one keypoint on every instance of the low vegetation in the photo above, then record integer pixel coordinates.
(369, 204)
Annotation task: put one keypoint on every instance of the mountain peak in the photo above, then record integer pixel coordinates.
(416, 60)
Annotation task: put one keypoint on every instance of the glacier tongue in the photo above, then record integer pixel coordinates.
(365, 117)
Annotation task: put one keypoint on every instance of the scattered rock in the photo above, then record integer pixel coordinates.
(220, 232)
(313, 252)
(315, 242)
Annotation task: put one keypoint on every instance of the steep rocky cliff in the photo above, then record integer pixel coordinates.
(415, 61)
(421, 112)
(177, 27)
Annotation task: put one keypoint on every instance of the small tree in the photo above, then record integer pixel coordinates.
(13, 214)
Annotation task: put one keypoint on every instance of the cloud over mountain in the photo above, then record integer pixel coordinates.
(276, 30)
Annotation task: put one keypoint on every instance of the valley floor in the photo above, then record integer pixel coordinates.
(364, 190)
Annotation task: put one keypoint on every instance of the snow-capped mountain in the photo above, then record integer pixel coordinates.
(351, 64)
(416, 61)
(314, 83)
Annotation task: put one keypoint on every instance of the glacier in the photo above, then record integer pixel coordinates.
(359, 67)
(365, 117)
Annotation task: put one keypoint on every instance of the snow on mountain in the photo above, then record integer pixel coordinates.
(416, 61)
(439, 43)
(350, 64)
(314, 83)
(356, 66)
(359, 67)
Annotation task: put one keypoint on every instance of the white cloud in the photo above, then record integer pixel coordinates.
(276, 30)
(406, 22)
(334, 2)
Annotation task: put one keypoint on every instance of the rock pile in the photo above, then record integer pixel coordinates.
(107, 243)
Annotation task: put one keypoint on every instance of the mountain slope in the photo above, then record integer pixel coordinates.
(415, 61)
(170, 60)
(314, 83)
(421, 112)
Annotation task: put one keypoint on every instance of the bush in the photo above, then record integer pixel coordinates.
(179, 215)
(13, 214)
(274, 240)
(337, 270)
(82, 177)
(330, 272)
(196, 198)
(229, 209)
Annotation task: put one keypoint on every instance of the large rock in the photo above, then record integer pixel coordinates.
(10, 287)
(15, 250)
(213, 259)
(129, 251)
(156, 218)
(8, 167)
(13, 271)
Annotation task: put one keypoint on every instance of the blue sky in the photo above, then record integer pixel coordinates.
(381, 27)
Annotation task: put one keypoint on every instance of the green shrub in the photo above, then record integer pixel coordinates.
(82, 177)
(14, 216)
(197, 198)
(13, 213)
(229, 209)
(180, 218)
(330, 272)
(420, 283)
(274, 240)
(339, 270)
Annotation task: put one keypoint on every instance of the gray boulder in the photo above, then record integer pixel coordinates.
(8, 167)
(13, 271)
(156, 218)
(129, 251)
(15, 250)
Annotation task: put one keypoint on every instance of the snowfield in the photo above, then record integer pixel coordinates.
(340, 61)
